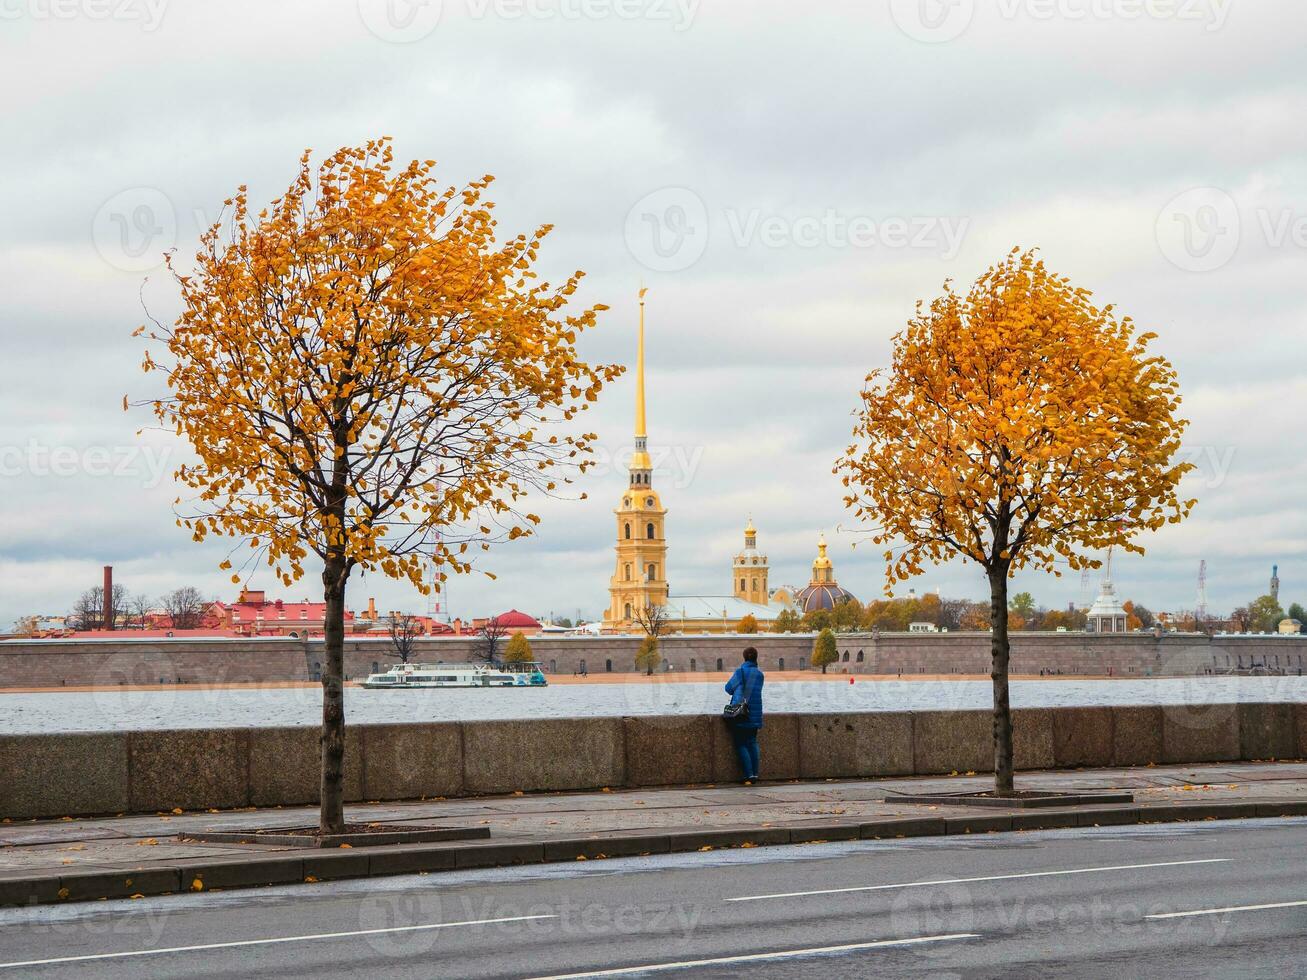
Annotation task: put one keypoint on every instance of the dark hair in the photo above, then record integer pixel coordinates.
(751, 655)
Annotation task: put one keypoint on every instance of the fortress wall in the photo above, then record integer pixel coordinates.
(109, 662)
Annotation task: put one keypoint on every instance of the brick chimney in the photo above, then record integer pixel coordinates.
(106, 614)
(372, 610)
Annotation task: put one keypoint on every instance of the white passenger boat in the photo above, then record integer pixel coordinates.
(527, 674)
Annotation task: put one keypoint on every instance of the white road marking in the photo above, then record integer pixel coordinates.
(267, 942)
(963, 881)
(760, 957)
(1232, 908)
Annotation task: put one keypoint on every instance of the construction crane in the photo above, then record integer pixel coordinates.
(1200, 611)
(1086, 588)
(438, 600)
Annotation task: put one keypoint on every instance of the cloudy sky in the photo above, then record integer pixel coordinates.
(787, 179)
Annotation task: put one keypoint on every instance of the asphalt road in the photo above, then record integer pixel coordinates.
(1225, 899)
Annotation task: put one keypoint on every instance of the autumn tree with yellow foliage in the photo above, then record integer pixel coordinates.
(518, 650)
(824, 652)
(1020, 426)
(370, 380)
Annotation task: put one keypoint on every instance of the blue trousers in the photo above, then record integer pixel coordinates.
(746, 747)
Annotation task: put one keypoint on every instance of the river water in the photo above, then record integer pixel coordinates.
(182, 707)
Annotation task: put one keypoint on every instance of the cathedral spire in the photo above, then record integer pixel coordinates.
(640, 429)
(641, 466)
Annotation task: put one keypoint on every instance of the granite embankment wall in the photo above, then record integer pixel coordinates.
(52, 663)
(147, 771)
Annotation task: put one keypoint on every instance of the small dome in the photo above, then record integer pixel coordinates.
(783, 596)
(750, 555)
(516, 620)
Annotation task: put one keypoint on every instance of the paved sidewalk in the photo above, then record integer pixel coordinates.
(82, 859)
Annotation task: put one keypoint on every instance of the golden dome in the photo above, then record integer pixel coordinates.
(823, 592)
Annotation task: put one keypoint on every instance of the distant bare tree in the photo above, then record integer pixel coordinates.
(951, 612)
(404, 630)
(1241, 619)
(88, 610)
(653, 620)
(488, 641)
(185, 607)
(138, 607)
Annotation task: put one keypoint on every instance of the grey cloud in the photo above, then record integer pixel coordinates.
(1071, 136)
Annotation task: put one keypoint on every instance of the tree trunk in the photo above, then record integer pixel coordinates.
(999, 655)
(331, 819)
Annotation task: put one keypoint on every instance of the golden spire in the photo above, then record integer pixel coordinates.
(640, 462)
(640, 430)
(822, 571)
(821, 562)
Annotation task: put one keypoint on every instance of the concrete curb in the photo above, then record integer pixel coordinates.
(400, 859)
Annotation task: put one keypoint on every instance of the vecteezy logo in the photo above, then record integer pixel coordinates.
(667, 230)
(932, 910)
(391, 922)
(400, 21)
(1199, 230)
(932, 21)
(134, 228)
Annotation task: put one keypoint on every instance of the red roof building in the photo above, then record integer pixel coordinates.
(253, 615)
(517, 622)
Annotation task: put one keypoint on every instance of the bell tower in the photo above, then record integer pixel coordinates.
(640, 579)
(749, 571)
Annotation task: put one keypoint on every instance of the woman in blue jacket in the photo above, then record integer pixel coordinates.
(745, 687)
